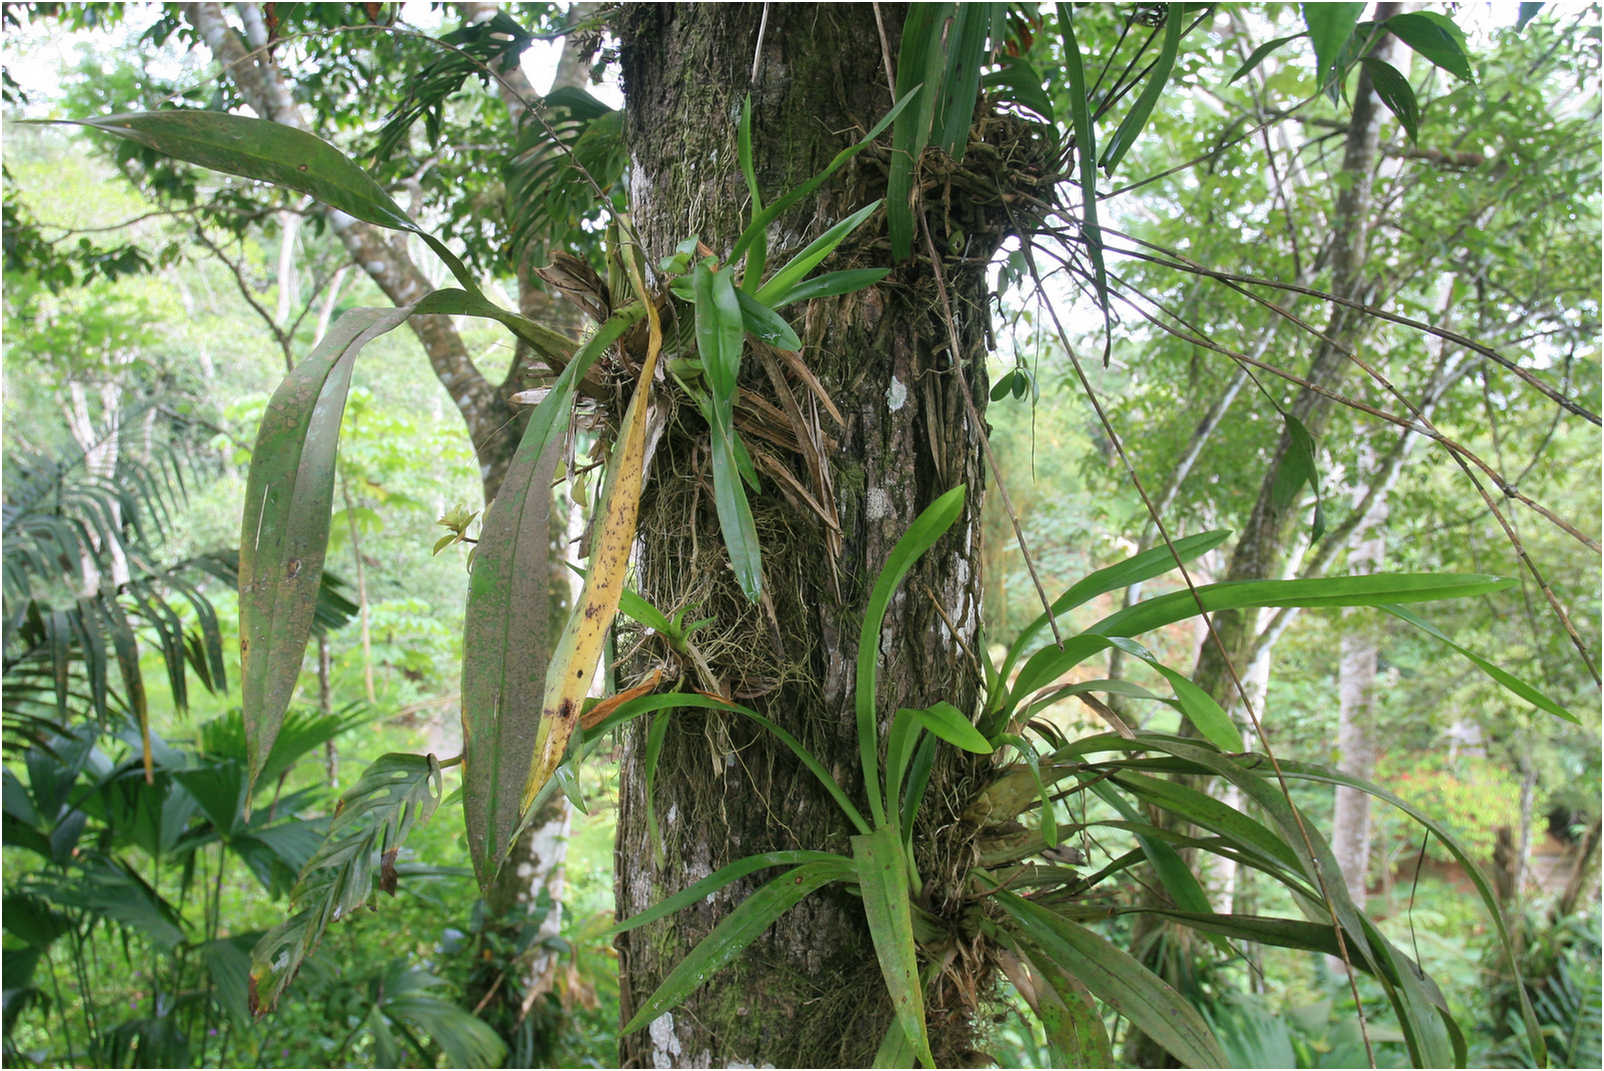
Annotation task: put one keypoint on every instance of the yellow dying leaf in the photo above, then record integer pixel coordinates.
(579, 649)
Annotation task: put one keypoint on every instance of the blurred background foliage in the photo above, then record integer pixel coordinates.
(149, 306)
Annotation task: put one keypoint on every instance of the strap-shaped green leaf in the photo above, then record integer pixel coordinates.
(919, 67)
(720, 336)
(503, 673)
(895, 1049)
(1375, 589)
(1313, 772)
(797, 268)
(648, 704)
(931, 524)
(943, 720)
(695, 894)
(760, 222)
(1113, 976)
(1202, 809)
(720, 332)
(829, 285)
(288, 495)
(960, 77)
(1200, 708)
(1133, 570)
(1521, 688)
(1075, 1032)
(295, 159)
(766, 324)
(734, 512)
(1177, 879)
(1080, 107)
(506, 647)
(883, 877)
(743, 926)
(1049, 818)
(1130, 127)
(924, 761)
(1430, 1032)
(757, 254)
(1314, 856)
(262, 150)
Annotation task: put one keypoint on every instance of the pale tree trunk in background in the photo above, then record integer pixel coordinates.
(1523, 843)
(1219, 876)
(1356, 702)
(1262, 549)
(494, 424)
(1583, 883)
(288, 290)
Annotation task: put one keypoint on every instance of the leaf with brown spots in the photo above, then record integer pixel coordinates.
(288, 496)
(598, 713)
(388, 878)
(505, 643)
(579, 649)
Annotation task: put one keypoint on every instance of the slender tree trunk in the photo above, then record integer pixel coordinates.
(325, 704)
(1583, 881)
(494, 427)
(1356, 699)
(1261, 550)
(808, 992)
(1523, 844)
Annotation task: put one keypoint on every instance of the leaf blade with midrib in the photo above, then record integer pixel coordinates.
(288, 495)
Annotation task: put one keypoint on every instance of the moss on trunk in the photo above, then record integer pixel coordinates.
(808, 992)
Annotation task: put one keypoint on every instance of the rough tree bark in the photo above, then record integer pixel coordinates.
(808, 992)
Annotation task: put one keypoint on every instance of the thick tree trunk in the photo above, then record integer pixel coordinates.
(808, 992)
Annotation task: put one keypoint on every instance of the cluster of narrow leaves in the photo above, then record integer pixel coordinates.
(520, 706)
(511, 755)
(1057, 961)
(373, 819)
(523, 711)
(62, 522)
